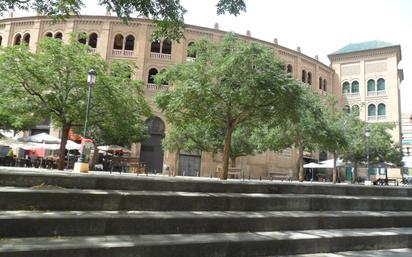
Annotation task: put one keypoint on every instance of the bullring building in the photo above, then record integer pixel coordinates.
(364, 77)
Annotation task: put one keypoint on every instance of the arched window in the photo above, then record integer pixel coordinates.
(381, 110)
(155, 46)
(49, 34)
(355, 87)
(381, 85)
(82, 38)
(167, 47)
(320, 83)
(371, 85)
(355, 109)
(371, 110)
(190, 51)
(129, 43)
(17, 39)
(346, 109)
(310, 78)
(26, 38)
(58, 35)
(303, 76)
(324, 84)
(345, 88)
(93, 40)
(1, 40)
(118, 42)
(152, 73)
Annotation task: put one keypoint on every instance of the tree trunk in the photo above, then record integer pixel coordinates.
(355, 173)
(63, 142)
(176, 168)
(226, 151)
(92, 161)
(299, 166)
(334, 168)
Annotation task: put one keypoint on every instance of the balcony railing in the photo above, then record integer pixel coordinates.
(93, 50)
(381, 117)
(160, 56)
(120, 52)
(156, 88)
(381, 92)
(371, 118)
(355, 94)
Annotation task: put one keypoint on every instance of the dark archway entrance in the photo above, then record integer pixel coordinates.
(151, 152)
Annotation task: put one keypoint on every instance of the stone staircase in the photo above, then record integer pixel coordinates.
(63, 214)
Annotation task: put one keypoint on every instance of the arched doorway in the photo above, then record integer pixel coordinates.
(151, 152)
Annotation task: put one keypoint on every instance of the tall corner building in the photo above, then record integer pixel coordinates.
(363, 76)
(370, 80)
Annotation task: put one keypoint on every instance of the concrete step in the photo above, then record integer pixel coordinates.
(403, 252)
(75, 199)
(210, 245)
(83, 223)
(23, 177)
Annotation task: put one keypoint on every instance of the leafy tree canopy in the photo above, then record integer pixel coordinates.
(232, 85)
(167, 14)
(52, 83)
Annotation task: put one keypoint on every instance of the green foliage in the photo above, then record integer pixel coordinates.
(167, 14)
(52, 83)
(231, 88)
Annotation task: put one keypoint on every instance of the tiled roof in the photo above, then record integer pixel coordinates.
(368, 45)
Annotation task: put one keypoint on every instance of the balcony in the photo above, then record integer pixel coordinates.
(371, 118)
(160, 56)
(381, 92)
(120, 52)
(381, 117)
(156, 88)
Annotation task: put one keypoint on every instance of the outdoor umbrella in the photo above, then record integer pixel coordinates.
(40, 138)
(312, 165)
(107, 148)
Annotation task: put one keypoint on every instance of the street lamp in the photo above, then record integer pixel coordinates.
(82, 164)
(367, 135)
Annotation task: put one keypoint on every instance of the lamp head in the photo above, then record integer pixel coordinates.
(91, 77)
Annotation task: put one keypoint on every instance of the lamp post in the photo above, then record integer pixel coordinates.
(367, 135)
(82, 164)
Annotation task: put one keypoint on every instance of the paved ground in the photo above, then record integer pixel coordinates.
(374, 253)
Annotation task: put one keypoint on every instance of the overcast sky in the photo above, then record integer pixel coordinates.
(317, 26)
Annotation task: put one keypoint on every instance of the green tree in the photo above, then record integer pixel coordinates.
(231, 84)
(53, 83)
(381, 146)
(304, 131)
(167, 14)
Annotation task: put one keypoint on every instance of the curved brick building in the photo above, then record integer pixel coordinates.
(362, 76)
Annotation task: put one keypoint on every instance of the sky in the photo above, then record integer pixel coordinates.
(319, 27)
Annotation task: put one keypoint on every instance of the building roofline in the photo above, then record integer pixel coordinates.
(397, 48)
(145, 20)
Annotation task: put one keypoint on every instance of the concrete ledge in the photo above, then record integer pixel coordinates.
(111, 200)
(83, 223)
(24, 177)
(210, 245)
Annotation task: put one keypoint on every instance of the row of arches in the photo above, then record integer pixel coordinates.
(57, 35)
(90, 40)
(124, 43)
(372, 86)
(307, 77)
(20, 39)
(374, 111)
(355, 109)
